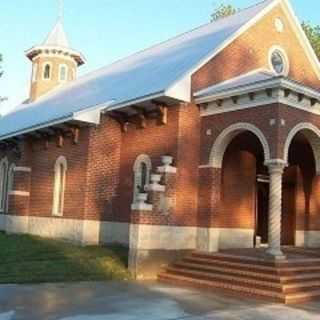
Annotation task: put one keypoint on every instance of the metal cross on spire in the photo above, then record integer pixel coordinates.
(61, 9)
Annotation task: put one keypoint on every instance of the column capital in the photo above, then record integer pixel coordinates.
(276, 164)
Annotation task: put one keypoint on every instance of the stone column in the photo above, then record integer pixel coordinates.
(276, 168)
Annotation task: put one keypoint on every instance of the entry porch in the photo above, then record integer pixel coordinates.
(260, 165)
(251, 272)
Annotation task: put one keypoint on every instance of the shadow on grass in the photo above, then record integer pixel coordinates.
(29, 259)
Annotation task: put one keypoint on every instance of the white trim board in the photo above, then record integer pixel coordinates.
(260, 103)
(86, 232)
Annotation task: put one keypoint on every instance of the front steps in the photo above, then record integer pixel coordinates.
(292, 281)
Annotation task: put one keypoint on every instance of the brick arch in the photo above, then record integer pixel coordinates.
(227, 135)
(312, 133)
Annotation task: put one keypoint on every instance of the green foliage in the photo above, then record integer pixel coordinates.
(1, 72)
(224, 10)
(312, 31)
(28, 259)
(313, 34)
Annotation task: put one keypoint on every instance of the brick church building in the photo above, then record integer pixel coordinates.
(208, 141)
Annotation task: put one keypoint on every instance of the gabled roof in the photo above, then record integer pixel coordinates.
(57, 37)
(163, 70)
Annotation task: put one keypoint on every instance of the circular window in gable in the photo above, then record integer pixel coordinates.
(279, 61)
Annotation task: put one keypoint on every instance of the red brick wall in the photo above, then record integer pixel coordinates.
(99, 182)
(187, 164)
(209, 195)
(180, 139)
(259, 116)
(155, 140)
(42, 178)
(103, 175)
(251, 51)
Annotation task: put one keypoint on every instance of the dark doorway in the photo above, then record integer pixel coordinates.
(262, 206)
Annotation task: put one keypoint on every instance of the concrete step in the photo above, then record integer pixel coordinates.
(290, 269)
(250, 274)
(287, 282)
(257, 261)
(200, 283)
(302, 297)
(218, 269)
(301, 287)
(232, 258)
(229, 264)
(299, 270)
(234, 280)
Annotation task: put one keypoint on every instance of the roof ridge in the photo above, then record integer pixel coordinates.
(172, 39)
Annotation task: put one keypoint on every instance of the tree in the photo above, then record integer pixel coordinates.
(224, 10)
(312, 31)
(313, 34)
(0, 66)
(1, 73)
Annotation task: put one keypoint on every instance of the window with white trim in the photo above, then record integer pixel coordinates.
(279, 61)
(63, 73)
(10, 183)
(142, 170)
(47, 71)
(60, 171)
(3, 184)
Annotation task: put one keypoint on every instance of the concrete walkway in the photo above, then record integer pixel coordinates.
(137, 301)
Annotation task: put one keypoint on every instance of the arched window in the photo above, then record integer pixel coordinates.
(142, 169)
(10, 183)
(63, 73)
(47, 71)
(3, 184)
(60, 170)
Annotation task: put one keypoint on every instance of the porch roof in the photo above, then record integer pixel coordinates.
(253, 81)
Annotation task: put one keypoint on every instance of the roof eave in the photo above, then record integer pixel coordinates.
(278, 82)
(90, 116)
(77, 55)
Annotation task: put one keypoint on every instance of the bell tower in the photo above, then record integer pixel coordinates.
(54, 62)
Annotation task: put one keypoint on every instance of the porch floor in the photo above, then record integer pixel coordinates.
(292, 254)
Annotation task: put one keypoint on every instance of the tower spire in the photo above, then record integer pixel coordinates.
(54, 61)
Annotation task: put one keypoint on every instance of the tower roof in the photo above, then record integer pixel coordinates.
(57, 37)
(56, 42)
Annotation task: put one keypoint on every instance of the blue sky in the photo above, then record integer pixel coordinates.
(103, 30)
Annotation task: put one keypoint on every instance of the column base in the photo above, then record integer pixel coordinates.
(275, 254)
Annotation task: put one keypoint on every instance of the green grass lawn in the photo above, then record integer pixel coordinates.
(28, 259)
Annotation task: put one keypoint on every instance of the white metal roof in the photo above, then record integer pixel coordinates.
(57, 37)
(249, 78)
(162, 70)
